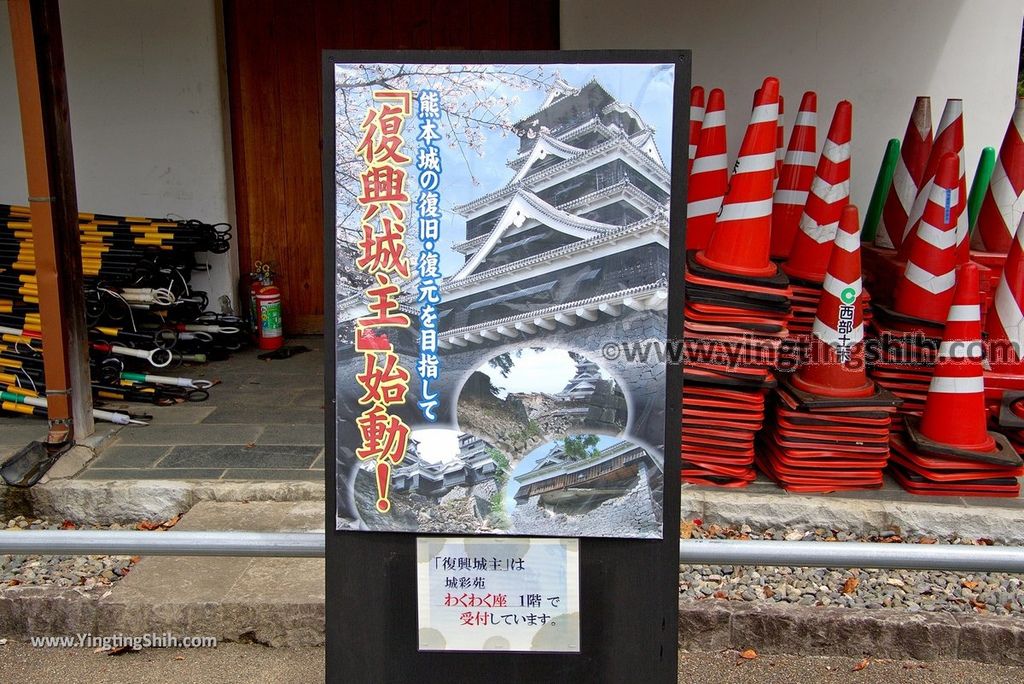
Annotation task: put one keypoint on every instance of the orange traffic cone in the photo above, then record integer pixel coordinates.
(949, 139)
(836, 367)
(1005, 322)
(926, 288)
(740, 241)
(908, 177)
(1003, 205)
(795, 177)
(830, 192)
(696, 119)
(709, 175)
(954, 412)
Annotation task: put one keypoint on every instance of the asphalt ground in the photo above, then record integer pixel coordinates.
(252, 664)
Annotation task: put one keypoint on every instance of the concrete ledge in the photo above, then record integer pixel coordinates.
(1003, 525)
(128, 501)
(710, 625)
(893, 634)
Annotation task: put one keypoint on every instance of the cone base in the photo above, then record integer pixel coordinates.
(801, 274)
(751, 271)
(1003, 452)
(877, 398)
(865, 390)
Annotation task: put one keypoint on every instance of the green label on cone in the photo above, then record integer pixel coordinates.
(848, 295)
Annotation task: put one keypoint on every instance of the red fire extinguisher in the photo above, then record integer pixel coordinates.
(265, 309)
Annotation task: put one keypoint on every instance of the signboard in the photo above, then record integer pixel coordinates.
(502, 230)
(501, 240)
(488, 594)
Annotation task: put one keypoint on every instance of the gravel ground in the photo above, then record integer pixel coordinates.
(910, 590)
(61, 571)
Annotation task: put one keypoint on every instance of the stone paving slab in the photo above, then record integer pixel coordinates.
(267, 415)
(245, 456)
(201, 433)
(293, 434)
(278, 601)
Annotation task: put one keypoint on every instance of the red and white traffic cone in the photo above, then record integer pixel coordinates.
(696, 119)
(1003, 204)
(908, 176)
(926, 288)
(837, 367)
(1005, 322)
(795, 177)
(740, 241)
(949, 139)
(830, 192)
(709, 174)
(954, 412)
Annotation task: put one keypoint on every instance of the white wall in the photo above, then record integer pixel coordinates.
(879, 54)
(147, 91)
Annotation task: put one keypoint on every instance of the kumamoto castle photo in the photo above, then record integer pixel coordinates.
(571, 253)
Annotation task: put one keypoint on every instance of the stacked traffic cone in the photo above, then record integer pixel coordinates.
(696, 119)
(909, 330)
(950, 450)
(1003, 204)
(949, 139)
(831, 427)
(736, 312)
(829, 194)
(1004, 373)
(709, 174)
(795, 177)
(908, 176)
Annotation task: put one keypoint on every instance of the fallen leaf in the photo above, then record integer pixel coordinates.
(978, 605)
(13, 582)
(985, 542)
(749, 654)
(179, 657)
(135, 559)
(250, 445)
(969, 585)
(769, 592)
(927, 540)
(720, 594)
(170, 523)
(120, 650)
(850, 585)
(861, 665)
(68, 525)
(685, 529)
(147, 525)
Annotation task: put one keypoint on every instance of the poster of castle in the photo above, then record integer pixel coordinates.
(501, 238)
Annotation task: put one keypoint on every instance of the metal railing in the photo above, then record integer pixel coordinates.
(691, 551)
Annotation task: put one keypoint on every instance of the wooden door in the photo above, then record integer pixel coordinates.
(273, 54)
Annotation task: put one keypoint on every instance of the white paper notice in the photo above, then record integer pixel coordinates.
(492, 594)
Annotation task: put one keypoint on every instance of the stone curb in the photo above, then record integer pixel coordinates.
(703, 625)
(891, 634)
(128, 501)
(857, 516)
(51, 611)
(103, 502)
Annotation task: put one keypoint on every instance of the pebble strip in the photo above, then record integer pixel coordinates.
(980, 593)
(61, 571)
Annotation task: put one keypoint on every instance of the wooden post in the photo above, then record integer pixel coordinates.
(46, 129)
